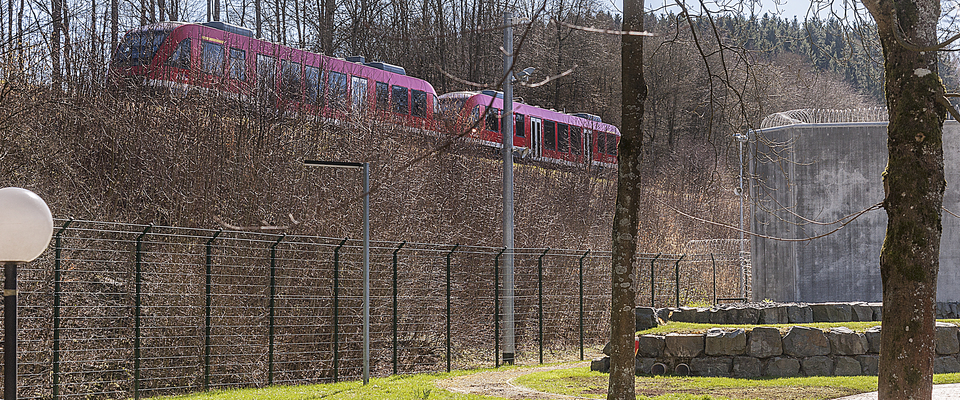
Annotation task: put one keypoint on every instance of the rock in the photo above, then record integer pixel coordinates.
(945, 365)
(711, 366)
(782, 366)
(702, 316)
(877, 311)
(862, 312)
(606, 350)
(743, 316)
(799, 314)
(774, 315)
(684, 314)
(650, 346)
(745, 367)
(873, 339)
(801, 341)
(846, 342)
(947, 342)
(720, 342)
(763, 342)
(683, 345)
(664, 314)
(646, 318)
(817, 366)
(869, 364)
(846, 366)
(601, 364)
(832, 312)
(643, 365)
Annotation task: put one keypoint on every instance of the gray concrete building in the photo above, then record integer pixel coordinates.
(810, 180)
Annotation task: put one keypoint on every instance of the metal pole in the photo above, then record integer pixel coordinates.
(581, 302)
(56, 309)
(714, 262)
(540, 300)
(741, 138)
(677, 272)
(273, 295)
(395, 305)
(136, 317)
(207, 309)
(336, 311)
(366, 273)
(448, 304)
(509, 346)
(653, 286)
(496, 308)
(10, 330)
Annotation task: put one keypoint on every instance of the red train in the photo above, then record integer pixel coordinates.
(228, 58)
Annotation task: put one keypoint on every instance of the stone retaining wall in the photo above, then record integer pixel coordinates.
(774, 313)
(763, 351)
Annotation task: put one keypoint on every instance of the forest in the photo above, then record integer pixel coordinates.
(708, 79)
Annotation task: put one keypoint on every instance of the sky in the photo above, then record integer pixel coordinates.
(786, 9)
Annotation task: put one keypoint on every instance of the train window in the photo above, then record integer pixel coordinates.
(266, 73)
(563, 141)
(518, 128)
(401, 104)
(290, 83)
(311, 82)
(474, 115)
(611, 144)
(383, 96)
(550, 135)
(238, 64)
(138, 47)
(436, 105)
(359, 88)
(601, 142)
(493, 120)
(418, 100)
(180, 58)
(212, 58)
(337, 85)
(576, 143)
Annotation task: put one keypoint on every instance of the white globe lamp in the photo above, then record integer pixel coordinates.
(26, 227)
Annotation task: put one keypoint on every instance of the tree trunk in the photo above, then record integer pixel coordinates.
(56, 13)
(626, 215)
(114, 24)
(913, 185)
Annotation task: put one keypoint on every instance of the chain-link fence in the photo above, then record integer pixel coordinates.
(120, 310)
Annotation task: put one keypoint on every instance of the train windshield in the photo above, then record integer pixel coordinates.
(138, 47)
(450, 106)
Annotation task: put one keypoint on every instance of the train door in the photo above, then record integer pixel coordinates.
(536, 136)
(587, 146)
(359, 95)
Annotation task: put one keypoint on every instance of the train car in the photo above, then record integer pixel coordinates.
(540, 134)
(228, 58)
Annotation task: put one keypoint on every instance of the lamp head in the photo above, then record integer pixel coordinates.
(26, 225)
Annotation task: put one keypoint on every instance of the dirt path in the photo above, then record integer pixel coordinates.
(502, 383)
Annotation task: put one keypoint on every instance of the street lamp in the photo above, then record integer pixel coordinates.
(366, 251)
(26, 227)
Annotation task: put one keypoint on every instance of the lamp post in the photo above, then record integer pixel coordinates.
(26, 227)
(366, 251)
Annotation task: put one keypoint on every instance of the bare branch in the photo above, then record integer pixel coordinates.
(605, 31)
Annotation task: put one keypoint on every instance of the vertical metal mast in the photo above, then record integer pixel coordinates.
(509, 349)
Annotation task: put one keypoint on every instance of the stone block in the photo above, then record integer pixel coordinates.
(746, 367)
(846, 366)
(683, 345)
(720, 342)
(832, 312)
(801, 341)
(846, 342)
(718, 316)
(646, 318)
(763, 342)
(711, 366)
(601, 364)
(877, 311)
(684, 314)
(869, 364)
(945, 365)
(946, 338)
(650, 346)
(702, 316)
(873, 339)
(643, 365)
(799, 314)
(817, 366)
(664, 314)
(782, 366)
(774, 315)
(606, 350)
(862, 312)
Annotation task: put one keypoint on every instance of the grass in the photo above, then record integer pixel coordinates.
(582, 382)
(403, 387)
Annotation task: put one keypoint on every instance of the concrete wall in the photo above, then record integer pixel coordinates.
(808, 174)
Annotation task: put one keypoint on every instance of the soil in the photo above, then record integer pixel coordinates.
(502, 383)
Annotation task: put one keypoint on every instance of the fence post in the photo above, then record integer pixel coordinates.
(336, 311)
(273, 294)
(136, 316)
(208, 263)
(581, 302)
(395, 295)
(714, 261)
(677, 272)
(56, 309)
(540, 300)
(448, 304)
(496, 307)
(653, 284)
